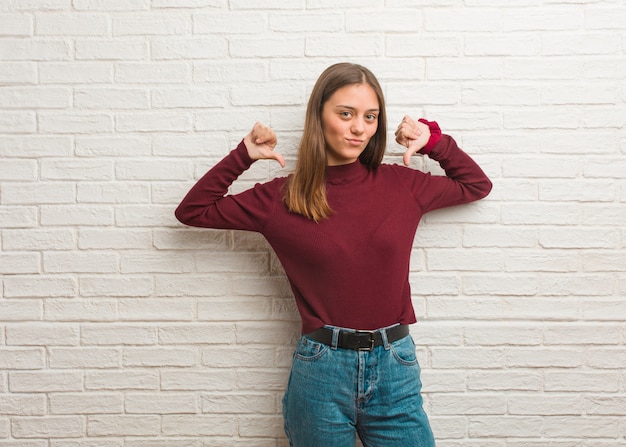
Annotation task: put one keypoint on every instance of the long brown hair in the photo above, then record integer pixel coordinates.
(306, 190)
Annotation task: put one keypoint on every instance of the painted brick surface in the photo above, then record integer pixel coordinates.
(119, 327)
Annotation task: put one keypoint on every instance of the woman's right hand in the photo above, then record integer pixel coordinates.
(261, 142)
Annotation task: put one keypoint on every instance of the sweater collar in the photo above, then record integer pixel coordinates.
(340, 174)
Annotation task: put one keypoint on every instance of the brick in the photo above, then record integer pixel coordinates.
(17, 122)
(111, 98)
(95, 238)
(136, 379)
(463, 260)
(261, 426)
(126, 49)
(408, 93)
(35, 97)
(164, 403)
(207, 380)
(72, 358)
(48, 427)
(309, 22)
(545, 358)
(118, 192)
(481, 358)
(37, 239)
(108, 5)
(18, 263)
(69, 215)
(107, 286)
(473, 404)
(170, 262)
(36, 193)
(546, 404)
(34, 50)
(499, 380)
(71, 24)
(153, 121)
(86, 403)
(35, 146)
(23, 405)
(103, 335)
(603, 18)
(156, 310)
(199, 425)
(42, 335)
(581, 381)
(18, 358)
(45, 381)
(512, 44)
(80, 310)
(540, 214)
(141, 24)
(185, 48)
(18, 25)
(236, 403)
(20, 310)
(537, 261)
(577, 238)
(151, 357)
(345, 45)
(107, 146)
(593, 427)
(462, 19)
(505, 427)
(608, 406)
(69, 123)
(196, 334)
(153, 72)
(75, 73)
(18, 73)
(123, 425)
(233, 23)
(38, 5)
(197, 97)
(30, 286)
(408, 20)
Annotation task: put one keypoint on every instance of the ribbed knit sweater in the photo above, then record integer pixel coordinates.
(352, 269)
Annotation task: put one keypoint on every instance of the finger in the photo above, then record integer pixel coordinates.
(279, 158)
(412, 149)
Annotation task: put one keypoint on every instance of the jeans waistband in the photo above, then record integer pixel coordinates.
(358, 340)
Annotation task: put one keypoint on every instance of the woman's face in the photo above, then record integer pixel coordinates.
(349, 121)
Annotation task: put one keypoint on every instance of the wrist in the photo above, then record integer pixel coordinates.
(435, 135)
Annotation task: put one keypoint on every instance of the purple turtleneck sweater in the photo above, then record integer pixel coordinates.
(350, 270)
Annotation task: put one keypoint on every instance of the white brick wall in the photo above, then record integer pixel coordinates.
(121, 328)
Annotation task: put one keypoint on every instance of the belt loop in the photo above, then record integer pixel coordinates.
(335, 341)
(383, 334)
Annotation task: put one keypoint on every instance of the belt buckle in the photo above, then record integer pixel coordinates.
(371, 340)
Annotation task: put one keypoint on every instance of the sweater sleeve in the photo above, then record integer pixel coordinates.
(208, 205)
(464, 181)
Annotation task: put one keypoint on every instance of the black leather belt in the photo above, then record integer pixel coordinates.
(358, 340)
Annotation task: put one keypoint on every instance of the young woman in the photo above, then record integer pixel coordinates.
(342, 226)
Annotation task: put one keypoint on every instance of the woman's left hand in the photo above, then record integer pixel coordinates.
(412, 134)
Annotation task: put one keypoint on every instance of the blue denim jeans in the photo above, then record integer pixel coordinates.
(335, 393)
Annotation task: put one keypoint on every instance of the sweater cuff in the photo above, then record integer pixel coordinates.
(242, 150)
(435, 135)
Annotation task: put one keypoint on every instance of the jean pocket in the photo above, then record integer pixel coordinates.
(309, 350)
(403, 351)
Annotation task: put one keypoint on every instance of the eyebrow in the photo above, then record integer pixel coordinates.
(342, 106)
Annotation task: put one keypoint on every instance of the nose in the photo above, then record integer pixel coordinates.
(358, 126)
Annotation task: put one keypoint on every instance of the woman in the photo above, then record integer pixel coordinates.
(342, 226)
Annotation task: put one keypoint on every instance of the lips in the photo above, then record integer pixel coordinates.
(355, 142)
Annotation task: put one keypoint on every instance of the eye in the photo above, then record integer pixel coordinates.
(345, 114)
(371, 117)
